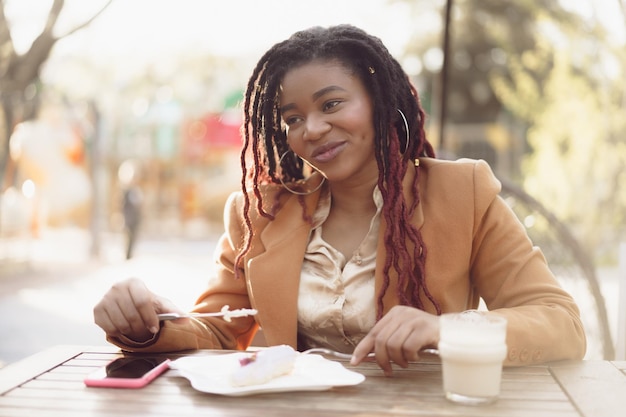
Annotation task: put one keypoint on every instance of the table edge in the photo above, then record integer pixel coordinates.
(17, 373)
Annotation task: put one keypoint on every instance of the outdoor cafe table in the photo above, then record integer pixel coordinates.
(50, 383)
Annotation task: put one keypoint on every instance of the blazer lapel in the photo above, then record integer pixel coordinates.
(274, 273)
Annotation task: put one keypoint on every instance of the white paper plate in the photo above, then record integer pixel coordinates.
(212, 373)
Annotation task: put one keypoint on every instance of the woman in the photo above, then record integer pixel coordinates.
(347, 233)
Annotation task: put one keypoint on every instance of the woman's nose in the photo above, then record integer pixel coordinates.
(315, 127)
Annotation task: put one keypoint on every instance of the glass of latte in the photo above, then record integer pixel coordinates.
(472, 346)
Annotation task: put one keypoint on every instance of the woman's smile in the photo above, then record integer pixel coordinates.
(328, 152)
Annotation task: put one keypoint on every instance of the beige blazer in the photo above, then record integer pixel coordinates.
(476, 248)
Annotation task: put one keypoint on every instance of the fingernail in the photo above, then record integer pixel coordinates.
(353, 361)
(154, 330)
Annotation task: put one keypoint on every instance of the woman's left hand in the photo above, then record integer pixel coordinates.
(398, 337)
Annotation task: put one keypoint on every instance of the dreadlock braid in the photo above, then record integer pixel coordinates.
(265, 142)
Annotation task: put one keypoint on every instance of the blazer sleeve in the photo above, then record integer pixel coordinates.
(223, 289)
(514, 279)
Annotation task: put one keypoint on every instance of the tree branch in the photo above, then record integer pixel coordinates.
(86, 23)
(26, 68)
(53, 16)
(7, 50)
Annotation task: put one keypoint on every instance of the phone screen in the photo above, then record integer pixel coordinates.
(132, 367)
(128, 372)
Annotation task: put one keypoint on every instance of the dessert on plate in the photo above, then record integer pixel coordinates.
(264, 365)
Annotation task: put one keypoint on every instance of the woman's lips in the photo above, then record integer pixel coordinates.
(326, 153)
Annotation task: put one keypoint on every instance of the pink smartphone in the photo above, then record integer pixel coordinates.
(128, 372)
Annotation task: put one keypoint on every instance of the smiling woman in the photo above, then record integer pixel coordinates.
(364, 254)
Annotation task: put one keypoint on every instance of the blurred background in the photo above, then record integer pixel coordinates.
(119, 137)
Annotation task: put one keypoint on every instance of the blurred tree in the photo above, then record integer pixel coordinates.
(554, 76)
(483, 35)
(19, 75)
(577, 165)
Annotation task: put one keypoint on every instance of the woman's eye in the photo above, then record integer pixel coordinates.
(330, 104)
(292, 120)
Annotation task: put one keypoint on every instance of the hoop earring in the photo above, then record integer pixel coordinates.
(296, 192)
(406, 129)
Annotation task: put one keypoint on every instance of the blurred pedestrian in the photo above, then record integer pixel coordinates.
(132, 202)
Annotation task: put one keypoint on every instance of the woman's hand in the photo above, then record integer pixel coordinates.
(129, 308)
(398, 337)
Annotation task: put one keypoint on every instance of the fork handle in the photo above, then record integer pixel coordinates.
(169, 316)
(324, 351)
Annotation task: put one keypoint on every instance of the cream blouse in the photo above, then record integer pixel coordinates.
(336, 306)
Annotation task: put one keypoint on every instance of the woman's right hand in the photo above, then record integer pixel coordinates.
(129, 308)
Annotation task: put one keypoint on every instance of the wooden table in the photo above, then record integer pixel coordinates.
(50, 384)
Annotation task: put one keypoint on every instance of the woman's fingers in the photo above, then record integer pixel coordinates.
(365, 346)
(128, 309)
(141, 312)
(398, 337)
(399, 347)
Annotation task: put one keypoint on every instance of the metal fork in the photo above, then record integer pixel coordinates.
(336, 354)
(331, 352)
(225, 312)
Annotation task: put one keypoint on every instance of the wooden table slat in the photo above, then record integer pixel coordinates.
(603, 392)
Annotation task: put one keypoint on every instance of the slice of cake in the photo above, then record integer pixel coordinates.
(264, 365)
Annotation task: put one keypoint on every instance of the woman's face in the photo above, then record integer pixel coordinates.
(328, 115)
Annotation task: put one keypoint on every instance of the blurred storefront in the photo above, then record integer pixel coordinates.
(188, 167)
(210, 168)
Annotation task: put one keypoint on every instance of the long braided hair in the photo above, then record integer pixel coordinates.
(390, 88)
